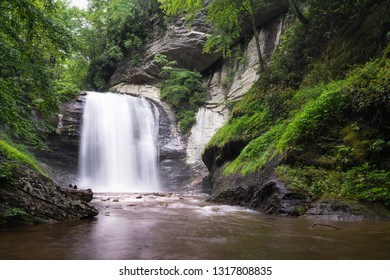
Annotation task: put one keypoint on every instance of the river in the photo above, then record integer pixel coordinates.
(184, 226)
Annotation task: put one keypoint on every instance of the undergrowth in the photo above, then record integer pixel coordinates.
(13, 154)
(345, 123)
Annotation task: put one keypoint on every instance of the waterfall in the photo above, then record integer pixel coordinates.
(119, 144)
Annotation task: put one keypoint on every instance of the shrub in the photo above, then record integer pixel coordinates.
(182, 89)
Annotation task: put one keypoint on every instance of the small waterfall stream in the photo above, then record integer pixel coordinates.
(119, 144)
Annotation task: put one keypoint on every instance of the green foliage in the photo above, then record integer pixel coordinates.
(242, 129)
(311, 114)
(257, 153)
(325, 49)
(117, 29)
(225, 18)
(15, 155)
(32, 40)
(370, 86)
(314, 115)
(364, 183)
(182, 89)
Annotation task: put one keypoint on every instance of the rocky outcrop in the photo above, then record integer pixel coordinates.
(185, 45)
(226, 81)
(61, 157)
(261, 191)
(227, 84)
(178, 43)
(28, 197)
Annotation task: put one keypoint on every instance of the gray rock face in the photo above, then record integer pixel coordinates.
(261, 191)
(185, 45)
(174, 172)
(178, 43)
(28, 197)
(62, 157)
(227, 84)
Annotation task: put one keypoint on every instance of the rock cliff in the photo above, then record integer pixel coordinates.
(61, 158)
(227, 84)
(226, 81)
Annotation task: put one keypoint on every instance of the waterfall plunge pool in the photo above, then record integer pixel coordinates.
(184, 226)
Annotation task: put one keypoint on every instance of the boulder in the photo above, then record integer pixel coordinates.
(29, 197)
(84, 195)
(261, 191)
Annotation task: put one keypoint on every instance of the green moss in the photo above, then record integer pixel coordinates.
(15, 155)
(257, 153)
(15, 212)
(352, 137)
(242, 129)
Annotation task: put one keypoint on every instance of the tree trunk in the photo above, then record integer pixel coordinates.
(255, 33)
(298, 12)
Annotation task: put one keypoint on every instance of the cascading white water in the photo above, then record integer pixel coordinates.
(119, 144)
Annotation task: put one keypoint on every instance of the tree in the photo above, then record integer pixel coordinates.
(32, 40)
(294, 7)
(117, 29)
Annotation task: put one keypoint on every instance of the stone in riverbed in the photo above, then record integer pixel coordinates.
(84, 195)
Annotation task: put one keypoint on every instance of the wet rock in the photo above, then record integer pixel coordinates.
(159, 194)
(261, 191)
(264, 192)
(28, 197)
(346, 210)
(84, 195)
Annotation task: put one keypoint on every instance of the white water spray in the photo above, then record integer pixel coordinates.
(119, 144)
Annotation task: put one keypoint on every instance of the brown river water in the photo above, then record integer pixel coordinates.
(184, 226)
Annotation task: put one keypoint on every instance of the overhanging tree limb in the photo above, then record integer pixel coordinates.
(298, 12)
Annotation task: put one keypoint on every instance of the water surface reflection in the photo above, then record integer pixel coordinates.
(184, 226)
